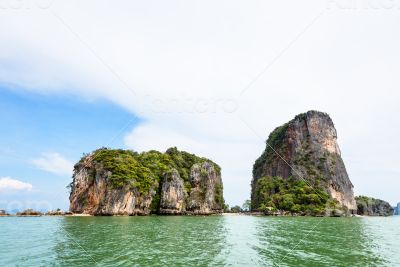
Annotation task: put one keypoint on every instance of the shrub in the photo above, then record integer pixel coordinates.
(144, 171)
(289, 195)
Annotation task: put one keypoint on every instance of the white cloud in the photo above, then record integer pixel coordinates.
(54, 163)
(8, 185)
(187, 63)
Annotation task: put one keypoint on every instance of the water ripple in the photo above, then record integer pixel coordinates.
(199, 241)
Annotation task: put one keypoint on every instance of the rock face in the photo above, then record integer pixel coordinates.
(206, 189)
(306, 148)
(373, 207)
(397, 209)
(29, 212)
(173, 194)
(3, 213)
(96, 196)
(121, 182)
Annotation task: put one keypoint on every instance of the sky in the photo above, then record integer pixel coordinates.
(211, 77)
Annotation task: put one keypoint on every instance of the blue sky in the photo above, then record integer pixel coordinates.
(34, 125)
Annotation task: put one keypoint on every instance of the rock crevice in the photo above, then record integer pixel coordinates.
(306, 149)
(120, 182)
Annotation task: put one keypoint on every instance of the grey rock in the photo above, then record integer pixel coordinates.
(173, 194)
(97, 197)
(397, 209)
(368, 206)
(92, 193)
(206, 193)
(307, 148)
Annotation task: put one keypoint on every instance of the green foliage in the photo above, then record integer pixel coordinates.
(219, 198)
(274, 140)
(183, 162)
(364, 202)
(227, 208)
(144, 171)
(125, 169)
(246, 205)
(290, 194)
(155, 202)
(158, 163)
(373, 206)
(236, 209)
(365, 199)
(203, 173)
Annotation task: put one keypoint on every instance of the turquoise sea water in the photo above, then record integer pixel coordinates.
(199, 241)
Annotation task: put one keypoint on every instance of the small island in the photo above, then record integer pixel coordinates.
(397, 209)
(4, 213)
(368, 206)
(29, 213)
(123, 182)
(301, 172)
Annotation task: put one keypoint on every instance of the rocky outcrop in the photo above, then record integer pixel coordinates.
(29, 212)
(368, 206)
(57, 212)
(121, 182)
(173, 194)
(304, 149)
(206, 192)
(96, 196)
(397, 209)
(4, 213)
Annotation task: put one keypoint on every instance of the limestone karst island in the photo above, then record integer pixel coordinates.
(300, 172)
(123, 182)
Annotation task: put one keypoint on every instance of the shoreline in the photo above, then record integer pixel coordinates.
(255, 214)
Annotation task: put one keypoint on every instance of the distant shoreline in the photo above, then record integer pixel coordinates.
(255, 214)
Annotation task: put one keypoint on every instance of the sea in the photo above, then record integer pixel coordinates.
(222, 240)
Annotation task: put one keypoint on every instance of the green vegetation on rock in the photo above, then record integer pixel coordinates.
(236, 209)
(292, 195)
(124, 182)
(143, 171)
(274, 141)
(125, 169)
(219, 198)
(301, 169)
(373, 207)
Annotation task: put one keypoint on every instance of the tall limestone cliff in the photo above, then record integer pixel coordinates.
(301, 169)
(123, 182)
